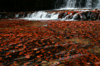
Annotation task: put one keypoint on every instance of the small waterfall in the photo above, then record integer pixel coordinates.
(39, 14)
(42, 15)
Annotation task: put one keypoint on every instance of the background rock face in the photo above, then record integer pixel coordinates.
(33, 5)
(26, 5)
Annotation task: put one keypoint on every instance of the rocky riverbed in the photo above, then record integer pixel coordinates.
(49, 43)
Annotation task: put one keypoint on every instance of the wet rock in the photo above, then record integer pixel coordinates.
(94, 16)
(88, 15)
(62, 15)
(0, 16)
(77, 17)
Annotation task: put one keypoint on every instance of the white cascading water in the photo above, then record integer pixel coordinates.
(89, 4)
(70, 4)
(98, 5)
(17, 15)
(28, 15)
(42, 15)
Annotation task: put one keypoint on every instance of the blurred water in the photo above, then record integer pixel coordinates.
(81, 4)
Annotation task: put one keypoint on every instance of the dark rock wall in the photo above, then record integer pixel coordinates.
(26, 5)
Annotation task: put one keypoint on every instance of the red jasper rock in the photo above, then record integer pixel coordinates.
(27, 56)
(75, 41)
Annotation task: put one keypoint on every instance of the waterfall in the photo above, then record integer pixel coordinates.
(71, 4)
(42, 15)
(98, 5)
(81, 4)
(68, 4)
(89, 4)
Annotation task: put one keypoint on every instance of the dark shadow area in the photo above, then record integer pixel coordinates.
(26, 5)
